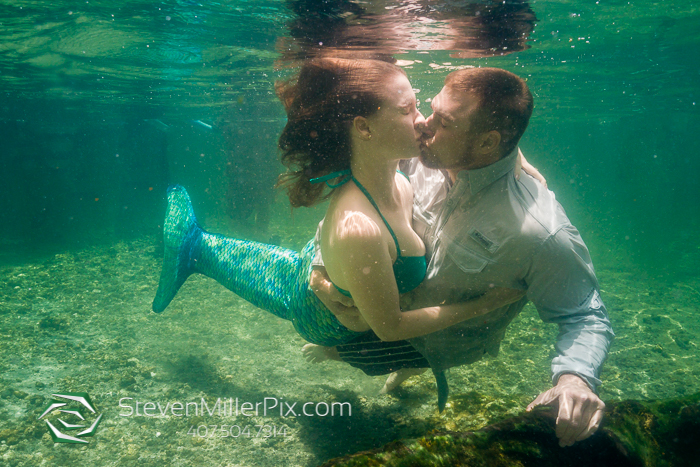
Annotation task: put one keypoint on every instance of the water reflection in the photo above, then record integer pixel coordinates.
(380, 29)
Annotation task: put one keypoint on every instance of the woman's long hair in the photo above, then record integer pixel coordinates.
(321, 104)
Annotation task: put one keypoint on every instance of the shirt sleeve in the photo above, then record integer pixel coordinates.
(563, 287)
(318, 259)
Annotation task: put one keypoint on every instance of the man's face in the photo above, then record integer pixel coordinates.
(448, 142)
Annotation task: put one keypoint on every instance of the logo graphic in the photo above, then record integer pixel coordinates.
(81, 398)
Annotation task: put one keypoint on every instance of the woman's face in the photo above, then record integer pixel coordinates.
(396, 126)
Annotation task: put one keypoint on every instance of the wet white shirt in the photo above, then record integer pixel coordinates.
(489, 229)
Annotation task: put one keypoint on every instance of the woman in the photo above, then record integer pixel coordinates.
(349, 124)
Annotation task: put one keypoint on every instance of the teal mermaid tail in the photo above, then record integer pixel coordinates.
(180, 234)
(270, 277)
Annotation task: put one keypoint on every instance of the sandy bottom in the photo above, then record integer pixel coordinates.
(81, 321)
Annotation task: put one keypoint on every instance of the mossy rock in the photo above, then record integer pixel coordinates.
(634, 434)
(53, 323)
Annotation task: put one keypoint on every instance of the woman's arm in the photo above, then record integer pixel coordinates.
(367, 273)
(427, 320)
(351, 317)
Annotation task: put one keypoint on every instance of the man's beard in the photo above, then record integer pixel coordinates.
(429, 160)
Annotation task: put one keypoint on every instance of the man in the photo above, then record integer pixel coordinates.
(483, 227)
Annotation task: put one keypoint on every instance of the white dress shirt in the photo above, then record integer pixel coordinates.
(489, 229)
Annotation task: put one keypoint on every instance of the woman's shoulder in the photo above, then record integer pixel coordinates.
(350, 238)
(352, 218)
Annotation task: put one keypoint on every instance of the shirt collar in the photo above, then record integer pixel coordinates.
(479, 179)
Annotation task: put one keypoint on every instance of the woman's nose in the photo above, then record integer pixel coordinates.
(419, 123)
(424, 127)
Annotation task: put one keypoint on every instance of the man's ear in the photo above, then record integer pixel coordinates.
(489, 142)
(361, 127)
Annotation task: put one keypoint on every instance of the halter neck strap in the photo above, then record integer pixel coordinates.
(339, 173)
(348, 176)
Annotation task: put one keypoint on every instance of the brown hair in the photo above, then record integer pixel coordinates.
(321, 103)
(504, 102)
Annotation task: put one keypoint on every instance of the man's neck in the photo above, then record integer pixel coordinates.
(483, 161)
(453, 173)
(484, 174)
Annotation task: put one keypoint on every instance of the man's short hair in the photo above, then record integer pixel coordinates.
(504, 102)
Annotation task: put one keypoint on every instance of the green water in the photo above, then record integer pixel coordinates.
(103, 104)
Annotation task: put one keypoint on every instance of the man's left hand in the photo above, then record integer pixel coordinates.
(580, 410)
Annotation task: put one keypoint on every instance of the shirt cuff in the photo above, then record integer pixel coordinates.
(317, 261)
(592, 382)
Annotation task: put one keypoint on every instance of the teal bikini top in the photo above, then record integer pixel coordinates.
(409, 271)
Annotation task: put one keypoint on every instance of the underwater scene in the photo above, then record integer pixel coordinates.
(106, 104)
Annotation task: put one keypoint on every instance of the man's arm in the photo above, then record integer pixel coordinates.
(562, 285)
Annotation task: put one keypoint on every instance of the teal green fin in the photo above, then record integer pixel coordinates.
(181, 235)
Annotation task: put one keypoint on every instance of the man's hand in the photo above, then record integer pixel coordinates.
(580, 410)
(340, 305)
(321, 285)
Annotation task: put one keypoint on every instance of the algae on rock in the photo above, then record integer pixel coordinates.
(634, 434)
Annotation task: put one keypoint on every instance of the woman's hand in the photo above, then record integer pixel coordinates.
(529, 169)
(502, 296)
(498, 297)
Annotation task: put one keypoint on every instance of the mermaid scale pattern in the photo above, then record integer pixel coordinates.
(180, 232)
(270, 277)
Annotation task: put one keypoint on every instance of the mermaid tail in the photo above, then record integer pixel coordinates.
(270, 277)
(264, 275)
(180, 234)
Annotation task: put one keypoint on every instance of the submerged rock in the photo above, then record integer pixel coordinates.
(645, 434)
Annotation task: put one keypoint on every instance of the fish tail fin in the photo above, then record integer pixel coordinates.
(443, 389)
(181, 234)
